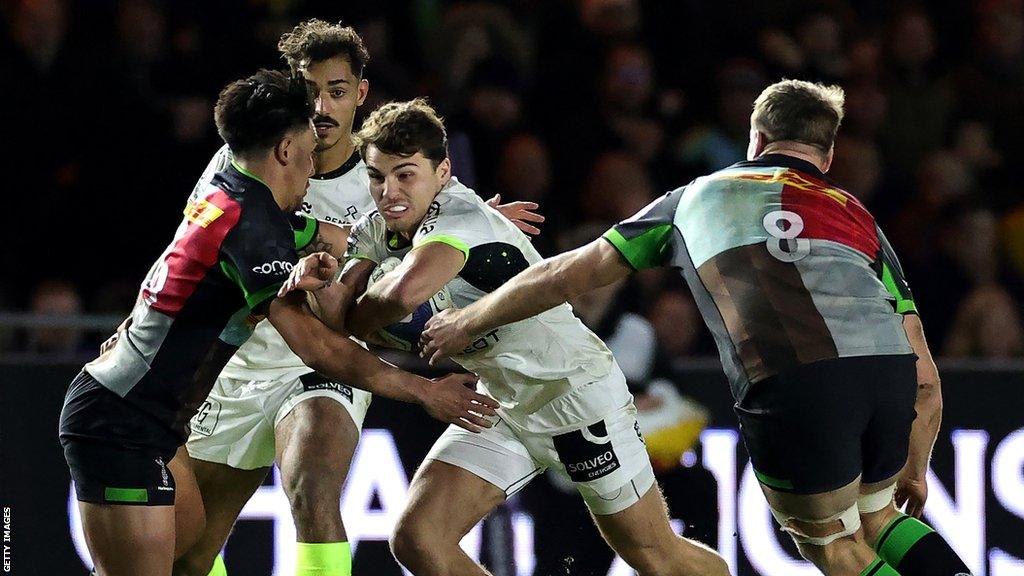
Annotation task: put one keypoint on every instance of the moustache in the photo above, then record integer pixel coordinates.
(325, 120)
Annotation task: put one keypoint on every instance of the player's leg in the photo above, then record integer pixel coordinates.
(231, 449)
(462, 479)
(225, 491)
(609, 464)
(909, 545)
(826, 529)
(804, 431)
(189, 511)
(317, 432)
(126, 495)
(126, 540)
(641, 534)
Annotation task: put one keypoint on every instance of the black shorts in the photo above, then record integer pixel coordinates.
(818, 427)
(106, 468)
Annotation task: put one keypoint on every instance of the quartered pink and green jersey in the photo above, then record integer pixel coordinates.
(785, 267)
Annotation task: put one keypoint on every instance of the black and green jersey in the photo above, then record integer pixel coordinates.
(785, 267)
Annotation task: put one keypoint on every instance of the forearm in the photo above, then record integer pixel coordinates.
(529, 293)
(345, 361)
(338, 357)
(929, 399)
(375, 310)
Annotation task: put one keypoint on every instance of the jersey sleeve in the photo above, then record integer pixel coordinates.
(892, 276)
(220, 162)
(368, 238)
(644, 239)
(304, 228)
(457, 223)
(258, 259)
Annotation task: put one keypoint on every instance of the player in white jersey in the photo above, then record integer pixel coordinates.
(267, 405)
(563, 401)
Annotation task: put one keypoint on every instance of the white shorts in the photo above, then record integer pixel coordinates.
(235, 425)
(606, 459)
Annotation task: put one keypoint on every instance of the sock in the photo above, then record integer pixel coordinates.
(323, 559)
(219, 569)
(914, 549)
(879, 568)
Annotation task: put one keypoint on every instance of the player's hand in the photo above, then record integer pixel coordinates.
(443, 336)
(453, 399)
(912, 490)
(108, 344)
(519, 213)
(313, 272)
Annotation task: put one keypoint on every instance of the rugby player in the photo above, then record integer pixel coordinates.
(266, 405)
(126, 413)
(563, 399)
(816, 327)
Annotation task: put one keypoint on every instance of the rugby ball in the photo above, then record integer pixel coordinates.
(405, 334)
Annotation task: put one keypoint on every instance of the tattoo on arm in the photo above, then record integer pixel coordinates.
(319, 244)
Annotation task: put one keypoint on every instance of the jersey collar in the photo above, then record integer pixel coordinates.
(785, 161)
(340, 170)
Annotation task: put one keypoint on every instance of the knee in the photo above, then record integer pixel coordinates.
(410, 543)
(309, 492)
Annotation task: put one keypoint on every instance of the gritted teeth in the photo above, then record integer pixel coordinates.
(397, 209)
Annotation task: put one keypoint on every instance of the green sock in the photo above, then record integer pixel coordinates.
(879, 568)
(323, 559)
(913, 548)
(219, 569)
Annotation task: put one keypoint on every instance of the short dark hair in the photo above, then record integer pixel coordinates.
(403, 129)
(800, 111)
(316, 40)
(254, 114)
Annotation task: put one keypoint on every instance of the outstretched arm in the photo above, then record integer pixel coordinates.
(448, 399)
(534, 290)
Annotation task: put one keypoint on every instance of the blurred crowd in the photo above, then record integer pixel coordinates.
(590, 107)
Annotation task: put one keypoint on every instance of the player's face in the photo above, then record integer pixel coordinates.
(404, 186)
(300, 166)
(337, 92)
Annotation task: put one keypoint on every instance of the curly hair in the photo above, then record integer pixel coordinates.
(317, 40)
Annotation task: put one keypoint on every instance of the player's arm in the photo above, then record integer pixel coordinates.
(637, 243)
(534, 290)
(312, 235)
(912, 488)
(332, 354)
(422, 273)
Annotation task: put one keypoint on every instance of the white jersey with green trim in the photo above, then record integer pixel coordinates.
(339, 197)
(524, 365)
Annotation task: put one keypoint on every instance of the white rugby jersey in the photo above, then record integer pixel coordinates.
(524, 365)
(339, 197)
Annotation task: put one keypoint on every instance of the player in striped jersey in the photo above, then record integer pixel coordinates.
(816, 328)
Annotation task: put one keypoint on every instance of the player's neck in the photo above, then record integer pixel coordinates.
(334, 157)
(797, 150)
(262, 171)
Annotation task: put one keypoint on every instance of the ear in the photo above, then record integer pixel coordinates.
(364, 89)
(757, 143)
(828, 159)
(444, 171)
(284, 150)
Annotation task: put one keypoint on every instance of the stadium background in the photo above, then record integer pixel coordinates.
(590, 107)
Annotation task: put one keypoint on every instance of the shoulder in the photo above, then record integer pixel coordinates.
(455, 209)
